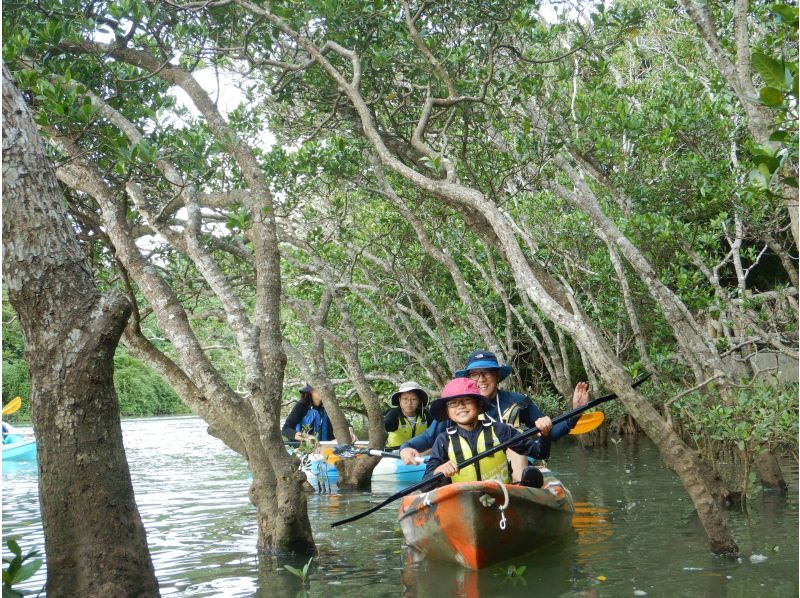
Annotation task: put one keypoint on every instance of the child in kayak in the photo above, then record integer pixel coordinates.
(408, 417)
(461, 402)
(509, 407)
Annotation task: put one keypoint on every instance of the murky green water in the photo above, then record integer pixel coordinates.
(635, 531)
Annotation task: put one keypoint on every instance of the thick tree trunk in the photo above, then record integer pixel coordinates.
(94, 538)
(280, 515)
(356, 474)
(685, 462)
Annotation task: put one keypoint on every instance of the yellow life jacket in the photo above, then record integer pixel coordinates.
(511, 415)
(493, 467)
(405, 431)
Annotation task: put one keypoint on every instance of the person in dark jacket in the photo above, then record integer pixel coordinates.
(510, 407)
(461, 403)
(308, 419)
(408, 417)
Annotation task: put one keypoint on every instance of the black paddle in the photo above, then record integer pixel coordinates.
(486, 453)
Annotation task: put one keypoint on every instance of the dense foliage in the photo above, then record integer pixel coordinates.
(635, 171)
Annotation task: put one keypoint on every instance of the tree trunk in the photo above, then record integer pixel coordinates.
(281, 517)
(769, 472)
(94, 538)
(686, 463)
(356, 474)
(255, 419)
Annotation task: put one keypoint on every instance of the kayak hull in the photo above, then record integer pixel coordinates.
(394, 470)
(461, 522)
(21, 449)
(387, 470)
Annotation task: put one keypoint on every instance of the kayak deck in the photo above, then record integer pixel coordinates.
(464, 522)
(387, 469)
(21, 448)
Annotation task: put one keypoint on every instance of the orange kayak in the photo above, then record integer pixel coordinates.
(478, 524)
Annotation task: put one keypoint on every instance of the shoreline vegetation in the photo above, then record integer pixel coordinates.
(764, 413)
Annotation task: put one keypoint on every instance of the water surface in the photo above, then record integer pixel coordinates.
(635, 530)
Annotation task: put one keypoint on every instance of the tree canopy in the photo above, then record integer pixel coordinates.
(573, 188)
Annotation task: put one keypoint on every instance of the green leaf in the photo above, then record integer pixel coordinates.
(27, 570)
(771, 96)
(14, 547)
(758, 180)
(786, 12)
(790, 181)
(294, 571)
(780, 136)
(770, 70)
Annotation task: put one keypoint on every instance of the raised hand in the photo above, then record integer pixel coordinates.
(581, 395)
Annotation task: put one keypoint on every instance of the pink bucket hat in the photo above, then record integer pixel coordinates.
(458, 387)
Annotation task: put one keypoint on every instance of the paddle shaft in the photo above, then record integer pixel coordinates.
(377, 453)
(348, 451)
(486, 453)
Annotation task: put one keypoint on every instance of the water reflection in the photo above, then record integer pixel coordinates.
(594, 529)
(635, 530)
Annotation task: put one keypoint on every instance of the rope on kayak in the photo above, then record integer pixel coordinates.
(490, 501)
(505, 504)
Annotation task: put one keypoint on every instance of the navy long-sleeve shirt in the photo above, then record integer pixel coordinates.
(296, 416)
(528, 416)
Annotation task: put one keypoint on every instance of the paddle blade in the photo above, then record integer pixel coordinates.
(588, 422)
(346, 451)
(12, 406)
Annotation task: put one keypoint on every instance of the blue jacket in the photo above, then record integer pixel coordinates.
(528, 415)
(314, 419)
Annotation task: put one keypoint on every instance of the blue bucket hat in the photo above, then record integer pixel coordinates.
(483, 359)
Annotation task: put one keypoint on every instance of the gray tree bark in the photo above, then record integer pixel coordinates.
(250, 425)
(95, 542)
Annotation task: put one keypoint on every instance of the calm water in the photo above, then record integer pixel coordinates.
(635, 533)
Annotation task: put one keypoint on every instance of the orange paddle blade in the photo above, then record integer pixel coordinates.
(12, 406)
(588, 422)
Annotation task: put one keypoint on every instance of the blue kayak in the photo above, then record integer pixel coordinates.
(387, 470)
(19, 448)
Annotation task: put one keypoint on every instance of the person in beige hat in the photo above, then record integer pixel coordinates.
(408, 417)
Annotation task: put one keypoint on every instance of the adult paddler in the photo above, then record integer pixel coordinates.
(309, 420)
(512, 408)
